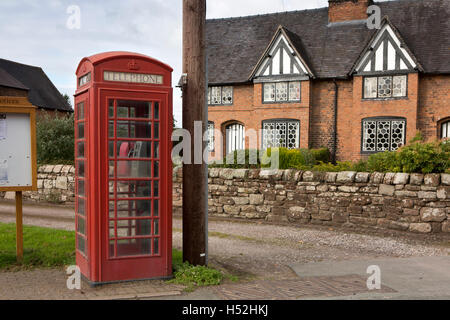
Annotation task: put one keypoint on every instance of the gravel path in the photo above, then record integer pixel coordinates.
(263, 250)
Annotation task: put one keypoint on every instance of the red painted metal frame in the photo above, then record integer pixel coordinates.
(97, 266)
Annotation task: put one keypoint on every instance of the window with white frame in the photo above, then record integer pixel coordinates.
(445, 130)
(211, 136)
(383, 134)
(385, 87)
(235, 137)
(220, 95)
(281, 133)
(282, 91)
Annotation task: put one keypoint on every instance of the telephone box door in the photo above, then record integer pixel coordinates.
(135, 224)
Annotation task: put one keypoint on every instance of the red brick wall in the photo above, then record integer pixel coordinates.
(427, 102)
(249, 110)
(344, 10)
(434, 104)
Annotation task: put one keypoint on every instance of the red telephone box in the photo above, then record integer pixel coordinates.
(123, 126)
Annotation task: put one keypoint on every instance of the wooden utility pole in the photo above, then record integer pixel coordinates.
(195, 176)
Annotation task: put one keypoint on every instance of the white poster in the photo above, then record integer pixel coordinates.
(3, 171)
(3, 128)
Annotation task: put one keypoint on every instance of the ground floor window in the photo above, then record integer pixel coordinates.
(211, 136)
(445, 130)
(235, 137)
(383, 134)
(281, 133)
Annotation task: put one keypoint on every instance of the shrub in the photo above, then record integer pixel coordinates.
(321, 155)
(292, 158)
(55, 139)
(240, 159)
(417, 156)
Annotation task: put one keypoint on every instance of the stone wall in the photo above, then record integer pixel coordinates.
(56, 184)
(399, 201)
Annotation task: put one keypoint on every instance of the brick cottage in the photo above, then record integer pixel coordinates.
(321, 77)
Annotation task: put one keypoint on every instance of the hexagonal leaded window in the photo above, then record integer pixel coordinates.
(384, 134)
(385, 87)
(281, 134)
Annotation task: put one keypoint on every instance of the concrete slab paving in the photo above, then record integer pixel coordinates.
(411, 278)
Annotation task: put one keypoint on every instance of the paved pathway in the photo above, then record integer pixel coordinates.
(263, 256)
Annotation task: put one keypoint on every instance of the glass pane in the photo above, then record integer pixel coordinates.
(81, 244)
(156, 227)
(370, 88)
(111, 129)
(227, 95)
(80, 190)
(133, 208)
(81, 130)
(156, 208)
(134, 189)
(294, 91)
(134, 109)
(156, 169)
(80, 111)
(111, 149)
(111, 169)
(112, 232)
(111, 109)
(111, 189)
(399, 86)
(80, 168)
(111, 209)
(134, 129)
(80, 150)
(385, 87)
(156, 133)
(156, 188)
(81, 206)
(133, 247)
(132, 228)
(281, 91)
(216, 94)
(133, 149)
(156, 110)
(81, 226)
(156, 150)
(111, 248)
(133, 169)
(269, 92)
(155, 246)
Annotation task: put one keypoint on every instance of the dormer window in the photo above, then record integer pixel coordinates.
(385, 87)
(220, 95)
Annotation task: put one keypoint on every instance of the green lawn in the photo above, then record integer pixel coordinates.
(51, 248)
(43, 247)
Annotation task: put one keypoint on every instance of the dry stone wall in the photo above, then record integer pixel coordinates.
(399, 201)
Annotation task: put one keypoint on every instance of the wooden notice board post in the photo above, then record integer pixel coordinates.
(18, 168)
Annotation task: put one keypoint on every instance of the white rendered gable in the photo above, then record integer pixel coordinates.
(281, 59)
(386, 53)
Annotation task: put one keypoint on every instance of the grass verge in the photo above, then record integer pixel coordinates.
(43, 247)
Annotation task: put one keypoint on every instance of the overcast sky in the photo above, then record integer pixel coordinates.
(34, 31)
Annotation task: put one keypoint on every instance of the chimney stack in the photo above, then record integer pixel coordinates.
(347, 10)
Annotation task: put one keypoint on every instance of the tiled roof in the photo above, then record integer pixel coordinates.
(42, 93)
(235, 44)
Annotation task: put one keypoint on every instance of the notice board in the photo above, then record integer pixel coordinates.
(18, 169)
